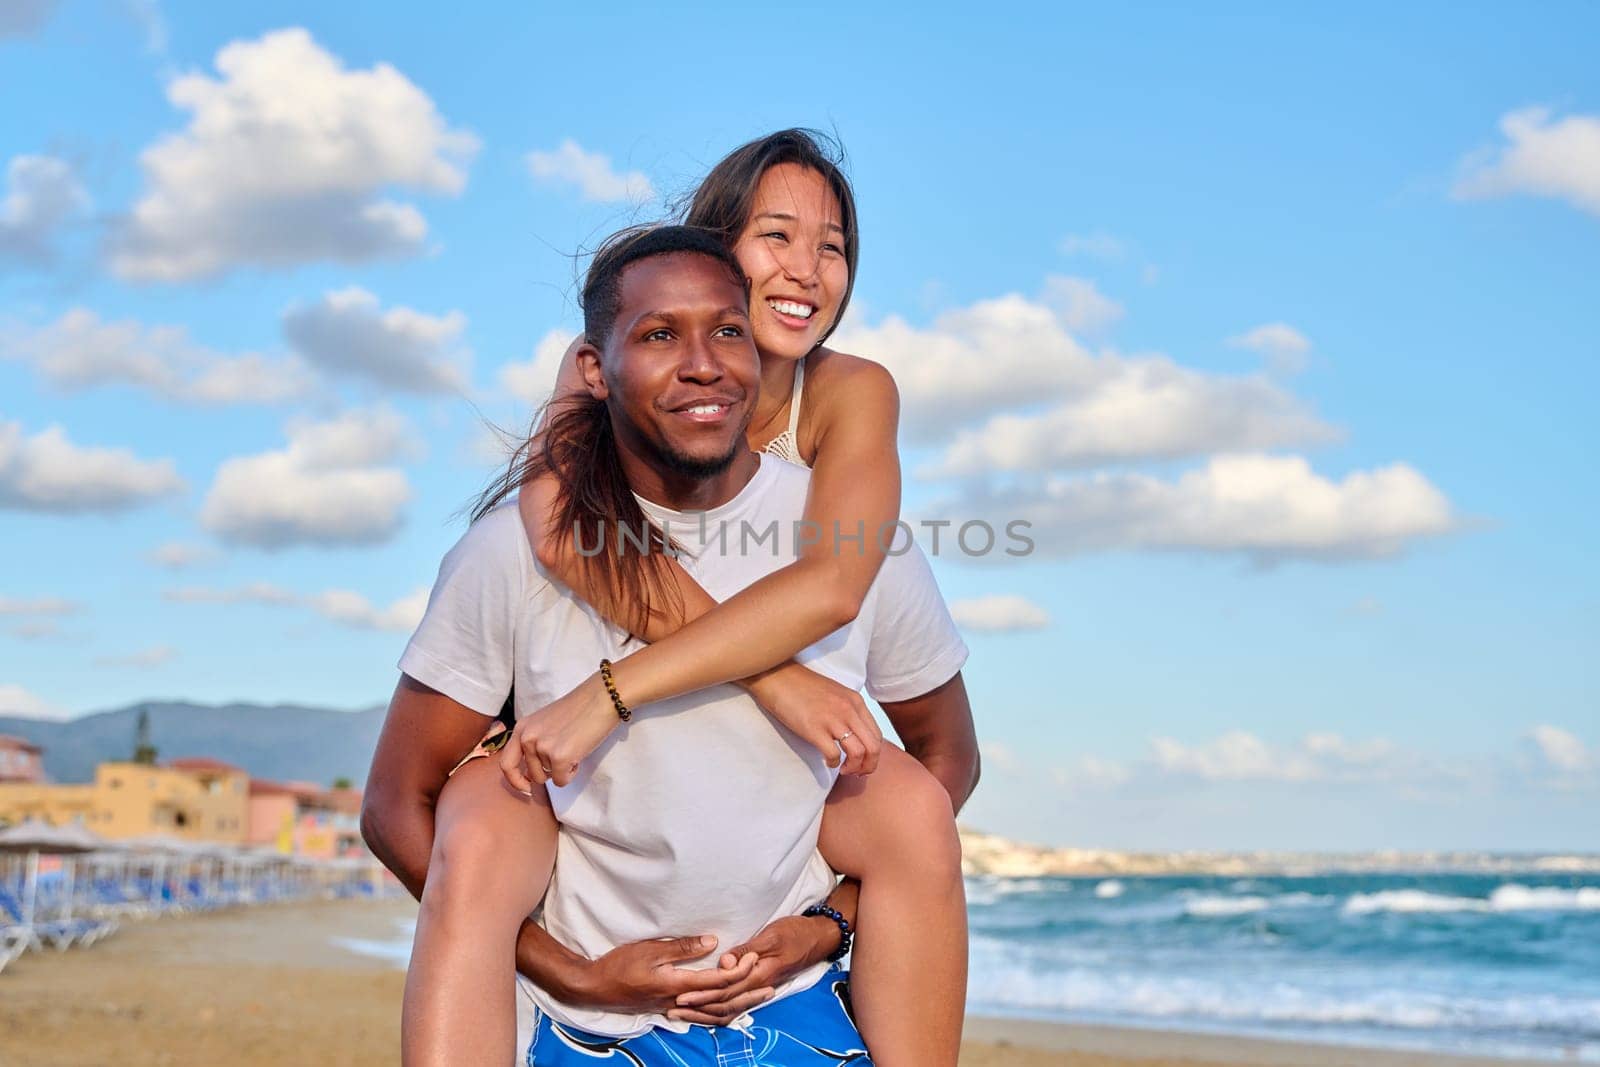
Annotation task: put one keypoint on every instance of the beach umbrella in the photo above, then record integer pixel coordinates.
(34, 836)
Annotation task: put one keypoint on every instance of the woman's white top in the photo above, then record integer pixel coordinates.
(786, 446)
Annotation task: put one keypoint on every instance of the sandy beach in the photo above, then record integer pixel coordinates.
(270, 986)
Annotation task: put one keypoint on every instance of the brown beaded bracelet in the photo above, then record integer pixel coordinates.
(611, 687)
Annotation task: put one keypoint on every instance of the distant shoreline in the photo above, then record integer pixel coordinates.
(993, 855)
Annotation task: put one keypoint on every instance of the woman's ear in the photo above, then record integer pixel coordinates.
(594, 378)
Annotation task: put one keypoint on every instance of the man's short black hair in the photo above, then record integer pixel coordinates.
(602, 286)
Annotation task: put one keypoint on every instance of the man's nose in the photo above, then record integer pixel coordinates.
(700, 361)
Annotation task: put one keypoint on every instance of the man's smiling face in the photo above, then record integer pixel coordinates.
(679, 370)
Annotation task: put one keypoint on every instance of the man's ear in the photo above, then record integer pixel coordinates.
(594, 378)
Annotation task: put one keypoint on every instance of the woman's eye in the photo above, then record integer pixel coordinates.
(835, 249)
(779, 234)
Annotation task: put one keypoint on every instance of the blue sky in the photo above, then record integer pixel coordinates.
(1280, 326)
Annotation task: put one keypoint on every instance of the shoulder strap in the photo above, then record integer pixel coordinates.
(794, 400)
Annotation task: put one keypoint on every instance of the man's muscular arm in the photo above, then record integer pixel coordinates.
(423, 736)
(936, 729)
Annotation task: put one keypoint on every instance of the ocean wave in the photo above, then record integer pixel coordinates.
(1084, 992)
(1505, 898)
(1515, 897)
(1212, 907)
(1108, 889)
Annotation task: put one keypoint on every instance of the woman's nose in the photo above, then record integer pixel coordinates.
(801, 264)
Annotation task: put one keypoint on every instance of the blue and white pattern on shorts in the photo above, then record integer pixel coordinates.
(813, 1028)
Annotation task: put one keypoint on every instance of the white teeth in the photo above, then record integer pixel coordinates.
(704, 409)
(788, 307)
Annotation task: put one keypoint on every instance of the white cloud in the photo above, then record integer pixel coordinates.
(18, 18)
(15, 700)
(1560, 750)
(154, 656)
(178, 555)
(974, 361)
(146, 14)
(533, 382)
(1557, 158)
(1265, 507)
(1091, 772)
(47, 472)
(328, 487)
(986, 361)
(254, 593)
(1080, 305)
(1284, 346)
(337, 605)
(353, 609)
(1098, 245)
(81, 351)
(42, 193)
(346, 333)
(591, 172)
(1149, 408)
(44, 605)
(1240, 756)
(999, 613)
(1367, 606)
(285, 161)
(38, 630)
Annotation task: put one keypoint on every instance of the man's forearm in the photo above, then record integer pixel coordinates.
(956, 769)
(401, 836)
(550, 965)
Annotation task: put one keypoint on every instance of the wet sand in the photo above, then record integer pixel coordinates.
(268, 986)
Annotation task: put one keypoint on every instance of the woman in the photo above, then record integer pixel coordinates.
(788, 214)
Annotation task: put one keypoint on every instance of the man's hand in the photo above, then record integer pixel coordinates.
(550, 743)
(821, 711)
(780, 951)
(644, 976)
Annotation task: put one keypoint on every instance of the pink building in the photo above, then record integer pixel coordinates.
(20, 761)
(305, 819)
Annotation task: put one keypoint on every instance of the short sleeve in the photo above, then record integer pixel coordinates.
(915, 647)
(465, 645)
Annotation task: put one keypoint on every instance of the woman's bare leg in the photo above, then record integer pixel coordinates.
(493, 850)
(895, 831)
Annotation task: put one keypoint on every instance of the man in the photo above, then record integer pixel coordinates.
(701, 816)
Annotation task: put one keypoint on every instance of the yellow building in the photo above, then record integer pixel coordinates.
(194, 799)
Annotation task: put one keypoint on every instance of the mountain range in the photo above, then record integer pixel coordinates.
(281, 742)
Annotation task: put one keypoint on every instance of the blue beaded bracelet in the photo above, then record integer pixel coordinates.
(844, 929)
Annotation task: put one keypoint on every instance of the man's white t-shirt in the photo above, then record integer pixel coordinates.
(701, 815)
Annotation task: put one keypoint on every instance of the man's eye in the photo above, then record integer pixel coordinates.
(730, 331)
(662, 334)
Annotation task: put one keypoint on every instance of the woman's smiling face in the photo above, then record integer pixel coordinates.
(792, 249)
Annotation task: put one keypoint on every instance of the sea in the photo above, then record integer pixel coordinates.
(1502, 964)
(1495, 964)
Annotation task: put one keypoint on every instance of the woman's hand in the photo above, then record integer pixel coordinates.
(781, 950)
(550, 743)
(821, 712)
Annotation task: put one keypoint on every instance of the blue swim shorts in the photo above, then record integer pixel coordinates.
(809, 1029)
